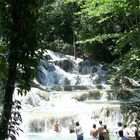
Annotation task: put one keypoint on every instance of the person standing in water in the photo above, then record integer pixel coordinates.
(120, 127)
(126, 131)
(121, 136)
(106, 133)
(134, 131)
(79, 131)
(57, 127)
(94, 132)
(100, 131)
(72, 126)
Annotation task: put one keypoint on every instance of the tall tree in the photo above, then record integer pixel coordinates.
(115, 25)
(60, 35)
(21, 40)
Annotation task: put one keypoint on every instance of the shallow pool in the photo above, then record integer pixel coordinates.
(55, 137)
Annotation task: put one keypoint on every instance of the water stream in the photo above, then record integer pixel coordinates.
(70, 89)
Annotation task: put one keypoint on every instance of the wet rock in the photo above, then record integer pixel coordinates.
(57, 88)
(37, 126)
(65, 64)
(120, 94)
(35, 96)
(95, 94)
(81, 87)
(82, 97)
(68, 88)
(94, 69)
(99, 86)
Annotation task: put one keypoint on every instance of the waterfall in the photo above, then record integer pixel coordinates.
(71, 89)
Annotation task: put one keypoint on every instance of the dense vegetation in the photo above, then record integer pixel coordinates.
(100, 30)
(19, 57)
(103, 30)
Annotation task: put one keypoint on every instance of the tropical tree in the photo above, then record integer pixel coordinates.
(58, 25)
(19, 44)
(114, 24)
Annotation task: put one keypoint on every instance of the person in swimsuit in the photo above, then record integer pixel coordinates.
(57, 127)
(94, 132)
(106, 133)
(100, 131)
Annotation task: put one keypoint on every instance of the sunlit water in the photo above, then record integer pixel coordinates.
(56, 137)
(38, 113)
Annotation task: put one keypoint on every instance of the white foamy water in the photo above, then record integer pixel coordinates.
(71, 94)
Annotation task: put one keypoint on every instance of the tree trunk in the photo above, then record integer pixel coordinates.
(22, 38)
(10, 84)
(7, 107)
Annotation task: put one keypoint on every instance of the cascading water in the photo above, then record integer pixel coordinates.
(70, 89)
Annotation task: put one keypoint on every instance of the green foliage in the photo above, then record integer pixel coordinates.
(25, 42)
(4, 22)
(23, 31)
(15, 120)
(19, 56)
(102, 30)
(57, 23)
(114, 24)
(100, 38)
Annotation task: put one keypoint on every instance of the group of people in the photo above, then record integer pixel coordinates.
(122, 132)
(74, 127)
(101, 132)
(128, 133)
